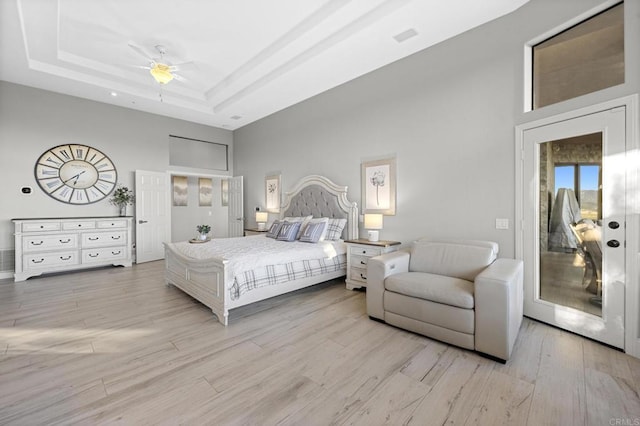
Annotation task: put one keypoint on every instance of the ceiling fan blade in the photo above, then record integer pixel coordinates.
(141, 67)
(141, 51)
(176, 67)
(179, 78)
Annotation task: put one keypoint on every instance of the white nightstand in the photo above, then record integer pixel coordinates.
(254, 231)
(358, 254)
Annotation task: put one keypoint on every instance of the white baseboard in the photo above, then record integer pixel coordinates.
(6, 274)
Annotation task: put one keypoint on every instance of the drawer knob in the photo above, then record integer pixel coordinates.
(364, 252)
(36, 244)
(115, 238)
(94, 255)
(94, 239)
(363, 277)
(65, 258)
(68, 240)
(37, 261)
(362, 262)
(116, 252)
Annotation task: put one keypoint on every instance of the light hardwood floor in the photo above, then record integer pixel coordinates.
(118, 346)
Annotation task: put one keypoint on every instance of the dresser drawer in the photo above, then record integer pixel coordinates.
(40, 226)
(357, 274)
(49, 242)
(47, 260)
(103, 255)
(108, 224)
(101, 239)
(366, 251)
(80, 224)
(359, 261)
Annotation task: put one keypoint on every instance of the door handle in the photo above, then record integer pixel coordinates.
(613, 243)
(142, 221)
(614, 225)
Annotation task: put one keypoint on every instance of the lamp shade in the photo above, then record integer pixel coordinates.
(262, 217)
(373, 221)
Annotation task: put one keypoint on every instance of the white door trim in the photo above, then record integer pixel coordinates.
(632, 217)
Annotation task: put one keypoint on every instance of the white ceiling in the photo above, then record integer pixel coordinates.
(251, 58)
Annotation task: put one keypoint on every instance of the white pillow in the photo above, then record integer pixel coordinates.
(334, 229)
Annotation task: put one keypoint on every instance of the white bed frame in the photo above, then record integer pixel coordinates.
(208, 280)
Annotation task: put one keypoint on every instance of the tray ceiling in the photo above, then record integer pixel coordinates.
(250, 58)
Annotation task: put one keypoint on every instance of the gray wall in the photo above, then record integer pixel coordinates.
(447, 113)
(33, 120)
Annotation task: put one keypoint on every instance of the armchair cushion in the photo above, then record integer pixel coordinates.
(437, 288)
(461, 259)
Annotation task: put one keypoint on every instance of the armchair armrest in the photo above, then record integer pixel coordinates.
(379, 268)
(498, 307)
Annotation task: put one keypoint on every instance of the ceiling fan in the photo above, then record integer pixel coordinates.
(160, 69)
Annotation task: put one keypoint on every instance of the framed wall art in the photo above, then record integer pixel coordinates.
(205, 192)
(379, 186)
(224, 192)
(272, 193)
(180, 190)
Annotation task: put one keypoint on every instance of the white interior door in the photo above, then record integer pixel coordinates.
(236, 208)
(153, 215)
(573, 233)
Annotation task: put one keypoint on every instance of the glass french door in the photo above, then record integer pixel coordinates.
(573, 224)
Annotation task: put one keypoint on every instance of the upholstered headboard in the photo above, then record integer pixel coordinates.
(318, 196)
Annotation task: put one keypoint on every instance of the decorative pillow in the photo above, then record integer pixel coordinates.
(274, 229)
(325, 221)
(313, 232)
(288, 231)
(334, 229)
(304, 220)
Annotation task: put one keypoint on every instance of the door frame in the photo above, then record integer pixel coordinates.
(632, 216)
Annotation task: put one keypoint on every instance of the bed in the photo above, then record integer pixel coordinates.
(216, 273)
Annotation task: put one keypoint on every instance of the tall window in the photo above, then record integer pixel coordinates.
(585, 180)
(582, 59)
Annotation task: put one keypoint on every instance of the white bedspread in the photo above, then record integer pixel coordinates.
(245, 253)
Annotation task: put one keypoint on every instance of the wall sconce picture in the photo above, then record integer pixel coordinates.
(272, 193)
(379, 186)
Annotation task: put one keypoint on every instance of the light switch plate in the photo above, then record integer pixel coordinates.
(502, 223)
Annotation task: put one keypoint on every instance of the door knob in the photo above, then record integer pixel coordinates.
(614, 225)
(613, 243)
(142, 221)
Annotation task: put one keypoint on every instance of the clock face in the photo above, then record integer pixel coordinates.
(76, 174)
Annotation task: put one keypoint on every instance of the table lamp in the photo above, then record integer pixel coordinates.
(373, 222)
(261, 220)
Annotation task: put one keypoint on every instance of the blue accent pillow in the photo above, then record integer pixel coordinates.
(313, 232)
(288, 231)
(274, 229)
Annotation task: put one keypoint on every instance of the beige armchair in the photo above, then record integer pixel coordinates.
(451, 290)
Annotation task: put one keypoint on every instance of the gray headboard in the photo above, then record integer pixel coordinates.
(318, 196)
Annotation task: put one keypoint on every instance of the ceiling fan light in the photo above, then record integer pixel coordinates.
(161, 73)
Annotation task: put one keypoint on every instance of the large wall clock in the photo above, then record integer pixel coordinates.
(76, 174)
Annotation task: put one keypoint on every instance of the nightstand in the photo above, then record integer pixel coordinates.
(358, 254)
(254, 231)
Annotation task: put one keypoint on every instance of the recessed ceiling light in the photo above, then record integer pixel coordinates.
(114, 94)
(236, 117)
(405, 35)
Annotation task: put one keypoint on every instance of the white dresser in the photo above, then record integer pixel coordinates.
(65, 244)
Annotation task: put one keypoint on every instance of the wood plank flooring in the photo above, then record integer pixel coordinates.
(116, 345)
